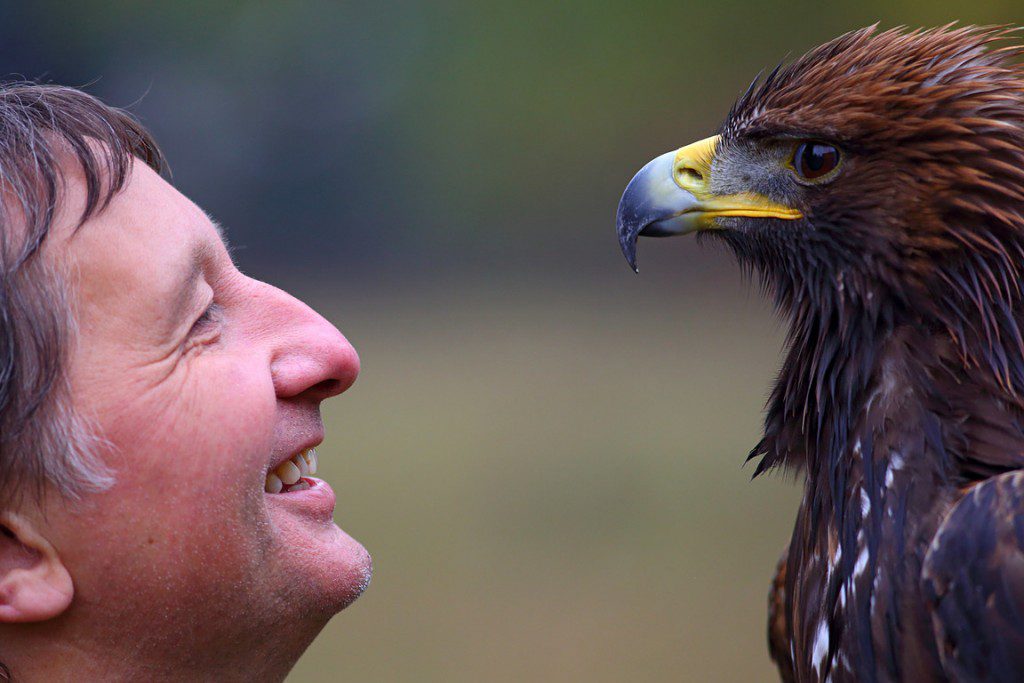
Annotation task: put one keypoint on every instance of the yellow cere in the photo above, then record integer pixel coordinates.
(692, 172)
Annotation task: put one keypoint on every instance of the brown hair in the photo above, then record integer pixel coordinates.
(42, 443)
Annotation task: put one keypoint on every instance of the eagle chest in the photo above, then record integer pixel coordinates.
(854, 599)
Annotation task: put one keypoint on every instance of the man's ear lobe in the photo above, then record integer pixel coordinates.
(34, 584)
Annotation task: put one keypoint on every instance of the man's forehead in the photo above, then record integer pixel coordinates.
(146, 209)
(142, 246)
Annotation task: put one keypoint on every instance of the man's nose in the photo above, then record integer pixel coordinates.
(311, 358)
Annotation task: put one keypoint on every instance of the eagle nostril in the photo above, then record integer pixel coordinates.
(689, 175)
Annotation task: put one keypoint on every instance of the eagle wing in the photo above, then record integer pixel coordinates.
(973, 579)
(778, 629)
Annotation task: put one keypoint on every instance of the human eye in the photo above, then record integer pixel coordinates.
(207, 326)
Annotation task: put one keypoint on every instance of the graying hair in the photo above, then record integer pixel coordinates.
(43, 443)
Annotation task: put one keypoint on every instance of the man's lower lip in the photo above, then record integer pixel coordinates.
(318, 500)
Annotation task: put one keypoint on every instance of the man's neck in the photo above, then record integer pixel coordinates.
(38, 652)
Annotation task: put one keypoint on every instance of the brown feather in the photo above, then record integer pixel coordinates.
(903, 382)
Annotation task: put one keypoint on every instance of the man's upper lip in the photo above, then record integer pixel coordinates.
(289, 454)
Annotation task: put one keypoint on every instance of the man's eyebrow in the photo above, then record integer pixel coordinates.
(221, 233)
(200, 253)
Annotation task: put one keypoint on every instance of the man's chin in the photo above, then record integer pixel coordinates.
(327, 568)
(317, 577)
(342, 573)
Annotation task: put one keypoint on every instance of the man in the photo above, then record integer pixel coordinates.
(157, 408)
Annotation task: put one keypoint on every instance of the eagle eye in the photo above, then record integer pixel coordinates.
(815, 161)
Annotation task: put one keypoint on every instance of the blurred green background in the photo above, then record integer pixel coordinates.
(544, 451)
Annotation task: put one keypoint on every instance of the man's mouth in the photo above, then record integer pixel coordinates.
(291, 474)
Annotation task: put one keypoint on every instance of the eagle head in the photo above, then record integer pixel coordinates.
(881, 170)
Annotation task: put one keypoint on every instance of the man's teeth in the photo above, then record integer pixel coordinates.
(290, 472)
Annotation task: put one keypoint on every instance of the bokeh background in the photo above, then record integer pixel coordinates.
(544, 451)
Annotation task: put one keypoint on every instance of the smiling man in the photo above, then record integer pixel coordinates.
(159, 412)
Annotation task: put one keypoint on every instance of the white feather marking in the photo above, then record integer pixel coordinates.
(862, 562)
(831, 568)
(895, 465)
(865, 504)
(820, 648)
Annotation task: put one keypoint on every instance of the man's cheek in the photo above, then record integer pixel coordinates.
(170, 567)
(205, 424)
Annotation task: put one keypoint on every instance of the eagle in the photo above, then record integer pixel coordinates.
(875, 188)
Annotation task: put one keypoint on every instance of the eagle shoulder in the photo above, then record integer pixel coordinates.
(973, 582)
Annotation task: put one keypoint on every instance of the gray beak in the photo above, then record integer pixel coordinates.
(653, 205)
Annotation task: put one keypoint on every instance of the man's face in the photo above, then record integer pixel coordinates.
(200, 380)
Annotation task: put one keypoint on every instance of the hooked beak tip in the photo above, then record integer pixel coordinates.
(628, 231)
(628, 245)
(651, 196)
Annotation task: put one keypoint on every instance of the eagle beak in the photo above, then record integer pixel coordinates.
(653, 204)
(672, 195)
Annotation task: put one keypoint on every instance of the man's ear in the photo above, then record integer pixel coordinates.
(34, 584)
